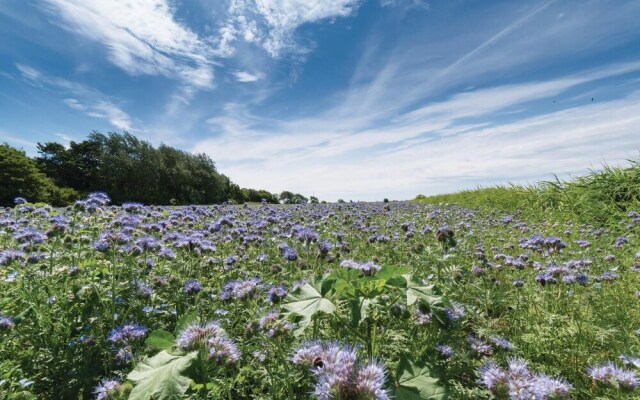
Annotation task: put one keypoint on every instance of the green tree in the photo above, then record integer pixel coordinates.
(287, 197)
(77, 166)
(20, 177)
(130, 169)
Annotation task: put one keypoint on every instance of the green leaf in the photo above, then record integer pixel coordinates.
(371, 288)
(160, 377)
(160, 339)
(427, 294)
(416, 382)
(343, 282)
(366, 305)
(417, 290)
(389, 272)
(305, 302)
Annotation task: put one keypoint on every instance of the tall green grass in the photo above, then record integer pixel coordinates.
(599, 197)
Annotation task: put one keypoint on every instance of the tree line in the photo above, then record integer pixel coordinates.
(125, 167)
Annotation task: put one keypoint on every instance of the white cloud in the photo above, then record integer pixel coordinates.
(64, 137)
(244, 76)
(75, 104)
(348, 127)
(414, 149)
(564, 142)
(112, 113)
(284, 17)
(141, 37)
(92, 102)
(407, 4)
(505, 42)
(17, 141)
(272, 23)
(498, 36)
(28, 72)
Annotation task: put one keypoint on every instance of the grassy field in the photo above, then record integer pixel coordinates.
(510, 292)
(601, 197)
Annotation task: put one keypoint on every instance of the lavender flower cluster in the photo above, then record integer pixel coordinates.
(220, 348)
(338, 374)
(609, 374)
(122, 339)
(518, 382)
(368, 268)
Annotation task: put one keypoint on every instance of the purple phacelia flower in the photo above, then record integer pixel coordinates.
(630, 360)
(126, 333)
(444, 351)
(455, 312)
(239, 290)
(370, 380)
(107, 389)
(621, 240)
(609, 374)
(192, 286)
(518, 282)
(422, 316)
(517, 382)
(501, 342)
(6, 323)
(276, 293)
(223, 350)
(480, 347)
(196, 335)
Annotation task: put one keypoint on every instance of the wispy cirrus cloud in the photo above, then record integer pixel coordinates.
(406, 4)
(563, 142)
(108, 111)
(245, 77)
(359, 146)
(439, 98)
(16, 140)
(87, 100)
(271, 24)
(495, 38)
(141, 37)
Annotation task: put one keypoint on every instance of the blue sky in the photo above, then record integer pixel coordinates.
(348, 99)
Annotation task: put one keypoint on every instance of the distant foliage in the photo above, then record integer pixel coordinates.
(257, 196)
(599, 197)
(133, 170)
(128, 168)
(287, 197)
(20, 177)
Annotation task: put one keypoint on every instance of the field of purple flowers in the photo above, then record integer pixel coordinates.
(329, 301)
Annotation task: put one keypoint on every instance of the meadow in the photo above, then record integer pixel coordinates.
(498, 296)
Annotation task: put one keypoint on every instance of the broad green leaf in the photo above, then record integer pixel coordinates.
(160, 339)
(343, 282)
(364, 310)
(160, 377)
(426, 294)
(371, 288)
(389, 272)
(305, 302)
(397, 281)
(417, 290)
(416, 382)
(344, 289)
